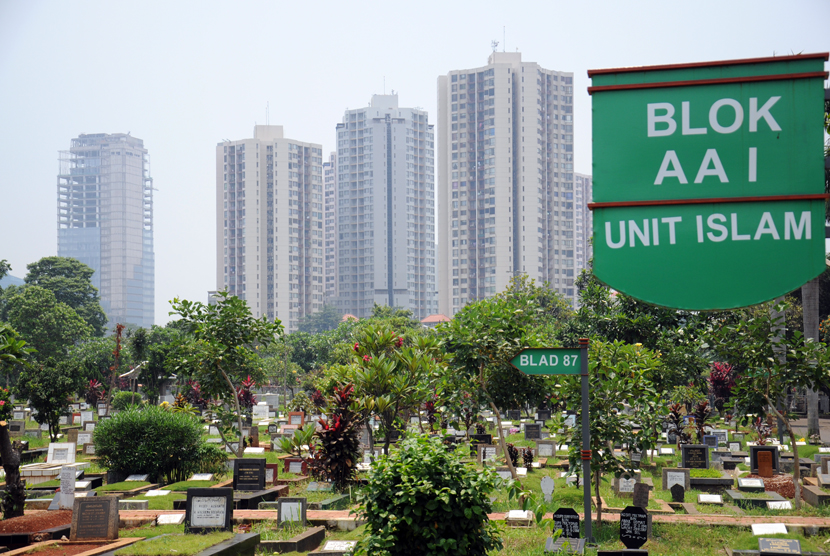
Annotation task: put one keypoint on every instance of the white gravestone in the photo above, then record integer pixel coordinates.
(627, 485)
(547, 488)
(61, 452)
(67, 494)
(709, 499)
(208, 511)
(290, 511)
(84, 438)
(674, 478)
(295, 467)
(87, 416)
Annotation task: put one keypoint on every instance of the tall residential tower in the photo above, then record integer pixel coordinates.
(506, 188)
(271, 257)
(386, 209)
(105, 220)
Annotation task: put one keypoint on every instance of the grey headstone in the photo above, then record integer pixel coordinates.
(641, 492)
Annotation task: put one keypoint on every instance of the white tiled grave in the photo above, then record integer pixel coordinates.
(157, 492)
(170, 519)
(760, 529)
(35, 473)
(710, 499)
(779, 505)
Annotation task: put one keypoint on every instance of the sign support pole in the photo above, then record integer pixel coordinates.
(586, 438)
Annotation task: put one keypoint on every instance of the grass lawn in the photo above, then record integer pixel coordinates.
(176, 543)
(184, 485)
(123, 485)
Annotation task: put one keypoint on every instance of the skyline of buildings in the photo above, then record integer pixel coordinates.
(385, 214)
(105, 220)
(369, 225)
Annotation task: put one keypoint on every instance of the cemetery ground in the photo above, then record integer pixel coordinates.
(693, 528)
(672, 533)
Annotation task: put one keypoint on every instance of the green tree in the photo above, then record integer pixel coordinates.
(13, 351)
(5, 268)
(619, 375)
(49, 390)
(391, 374)
(90, 360)
(48, 325)
(71, 282)
(328, 318)
(222, 353)
(772, 365)
(484, 336)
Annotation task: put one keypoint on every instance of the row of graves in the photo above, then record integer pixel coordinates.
(77, 428)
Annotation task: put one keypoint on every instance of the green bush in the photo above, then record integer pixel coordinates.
(153, 441)
(422, 499)
(123, 400)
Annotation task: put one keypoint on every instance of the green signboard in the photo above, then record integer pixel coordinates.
(708, 183)
(548, 361)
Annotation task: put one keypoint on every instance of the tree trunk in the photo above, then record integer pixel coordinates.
(503, 443)
(778, 331)
(15, 495)
(809, 304)
(796, 466)
(597, 479)
(241, 446)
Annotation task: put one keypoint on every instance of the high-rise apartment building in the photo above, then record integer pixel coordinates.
(506, 189)
(386, 209)
(584, 219)
(330, 227)
(273, 257)
(105, 220)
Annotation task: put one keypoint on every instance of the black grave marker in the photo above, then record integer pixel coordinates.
(514, 414)
(695, 456)
(533, 432)
(208, 510)
(633, 527)
(567, 520)
(710, 440)
(778, 547)
(678, 493)
(249, 474)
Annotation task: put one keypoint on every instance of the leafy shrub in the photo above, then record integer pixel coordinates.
(336, 456)
(123, 400)
(513, 452)
(152, 441)
(422, 499)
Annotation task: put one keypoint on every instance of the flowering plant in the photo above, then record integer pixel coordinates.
(5, 405)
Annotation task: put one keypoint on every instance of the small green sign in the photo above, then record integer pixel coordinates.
(548, 361)
(708, 182)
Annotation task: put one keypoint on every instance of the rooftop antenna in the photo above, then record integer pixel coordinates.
(503, 38)
(384, 84)
(494, 45)
(267, 113)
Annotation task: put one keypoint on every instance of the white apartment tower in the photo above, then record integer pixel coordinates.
(386, 209)
(584, 223)
(272, 257)
(105, 220)
(506, 190)
(330, 227)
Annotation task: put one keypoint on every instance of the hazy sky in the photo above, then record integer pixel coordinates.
(182, 76)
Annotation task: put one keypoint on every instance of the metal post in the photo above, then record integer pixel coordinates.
(586, 438)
